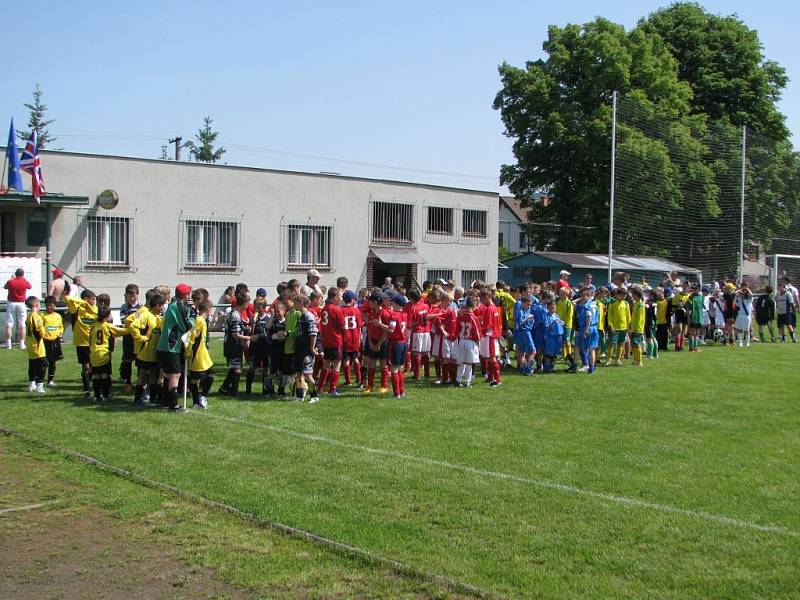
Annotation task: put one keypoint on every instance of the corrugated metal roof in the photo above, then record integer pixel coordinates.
(579, 260)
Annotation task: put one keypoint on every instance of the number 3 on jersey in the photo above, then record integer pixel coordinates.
(466, 331)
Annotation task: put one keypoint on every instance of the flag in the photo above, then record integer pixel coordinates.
(12, 155)
(31, 164)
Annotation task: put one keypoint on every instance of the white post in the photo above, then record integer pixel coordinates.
(774, 277)
(613, 165)
(741, 216)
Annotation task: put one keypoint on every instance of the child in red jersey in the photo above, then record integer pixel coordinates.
(397, 345)
(445, 344)
(376, 316)
(491, 332)
(420, 328)
(331, 327)
(351, 337)
(468, 331)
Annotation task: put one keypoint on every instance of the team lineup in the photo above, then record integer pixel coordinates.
(302, 341)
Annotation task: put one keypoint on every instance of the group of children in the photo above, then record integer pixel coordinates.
(300, 343)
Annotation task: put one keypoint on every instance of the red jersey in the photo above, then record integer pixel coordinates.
(331, 325)
(419, 322)
(316, 311)
(446, 321)
(17, 289)
(383, 315)
(399, 324)
(468, 327)
(490, 320)
(351, 334)
(434, 311)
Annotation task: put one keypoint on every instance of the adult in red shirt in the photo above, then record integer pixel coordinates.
(331, 327)
(17, 288)
(563, 280)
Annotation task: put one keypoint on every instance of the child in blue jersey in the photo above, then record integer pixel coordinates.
(523, 334)
(554, 333)
(539, 310)
(587, 338)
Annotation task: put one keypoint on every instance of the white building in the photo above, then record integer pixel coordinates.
(215, 225)
(513, 228)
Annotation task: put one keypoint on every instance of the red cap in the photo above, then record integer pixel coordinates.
(184, 289)
(58, 273)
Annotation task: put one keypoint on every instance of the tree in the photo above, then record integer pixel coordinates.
(203, 150)
(37, 121)
(559, 111)
(721, 59)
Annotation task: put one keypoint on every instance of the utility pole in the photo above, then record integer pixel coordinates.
(178, 145)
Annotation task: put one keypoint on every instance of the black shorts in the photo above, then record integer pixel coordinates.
(729, 315)
(379, 354)
(170, 362)
(350, 356)
(397, 353)
(303, 363)
(681, 317)
(695, 325)
(146, 365)
(786, 319)
(83, 354)
(332, 354)
(52, 349)
(200, 375)
(127, 349)
(102, 369)
(259, 357)
(234, 362)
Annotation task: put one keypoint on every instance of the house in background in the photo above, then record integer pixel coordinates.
(545, 266)
(513, 227)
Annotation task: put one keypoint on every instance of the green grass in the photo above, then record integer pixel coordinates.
(666, 472)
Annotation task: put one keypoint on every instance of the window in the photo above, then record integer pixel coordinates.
(109, 241)
(523, 239)
(437, 274)
(8, 232)
(309, 246)
(392, 224)
(474, 223)
(500, 239)
(210, 243)
(37, 227)
(440, 220)
(470, 275)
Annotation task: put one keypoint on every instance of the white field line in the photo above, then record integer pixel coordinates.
(28, 507)
(542, 483)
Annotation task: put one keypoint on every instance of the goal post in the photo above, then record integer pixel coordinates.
(792, 269)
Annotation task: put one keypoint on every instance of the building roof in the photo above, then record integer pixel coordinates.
(264, 170)
(515, 206)
(53, 199)
(578, 260)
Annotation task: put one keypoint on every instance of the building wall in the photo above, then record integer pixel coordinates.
(159, 194)
(509, 227)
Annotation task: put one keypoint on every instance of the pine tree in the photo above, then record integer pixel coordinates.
(37, 121)
(203, 150)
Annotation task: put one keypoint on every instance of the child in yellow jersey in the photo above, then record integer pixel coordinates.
(637, 326)
(600, 300)
(34, 342)
(662, 320)
(145, 330)
(84, 313)
(100, 336)
(53, 334)
(200, 367)
(619, 320)
(565, 309)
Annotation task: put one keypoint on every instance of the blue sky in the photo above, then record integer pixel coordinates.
(405, 87)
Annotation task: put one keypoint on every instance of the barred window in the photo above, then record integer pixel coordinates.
(309, 246)
(440, 220)
(108, 241)
(470, 275)
(392, 224)
(210, 243)
(474, 223)
(436, 274)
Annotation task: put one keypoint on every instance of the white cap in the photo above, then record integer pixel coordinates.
(563, 272)
(313, 273)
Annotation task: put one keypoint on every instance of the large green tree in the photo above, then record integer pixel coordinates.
(559, 112)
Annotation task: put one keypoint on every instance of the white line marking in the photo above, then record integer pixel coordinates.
(29, 507)
(567, 489)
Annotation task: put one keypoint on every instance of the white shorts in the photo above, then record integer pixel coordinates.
(421, 342)
(468, 352)
(489, 347)
(16, 311)
(441, 348)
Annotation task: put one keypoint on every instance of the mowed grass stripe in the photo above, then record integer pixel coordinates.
(569, 489)
(512, 539)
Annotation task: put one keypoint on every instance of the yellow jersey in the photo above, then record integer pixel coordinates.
(601, 316)
(34, 335)
(85, 316)
(197, 349)
(619, 315)
(508, 302)
(53, 326)
(565, 309)
(146, 331)
(661, 311)
(638, 317)
(99, 347)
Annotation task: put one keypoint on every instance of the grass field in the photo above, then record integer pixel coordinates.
(677, 480)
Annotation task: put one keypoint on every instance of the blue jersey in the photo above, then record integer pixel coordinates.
(588, 315)
(520, 323)
(554, 333)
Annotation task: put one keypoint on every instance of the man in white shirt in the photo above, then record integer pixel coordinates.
(312, 283)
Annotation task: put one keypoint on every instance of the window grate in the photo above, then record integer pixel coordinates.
(436, 274)
(392, 224)
(470, 275)
(473, 223)
(210, 243)
(108, 241)
(308, 245)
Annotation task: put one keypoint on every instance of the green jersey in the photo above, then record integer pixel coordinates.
(292, 317)
(697, 306)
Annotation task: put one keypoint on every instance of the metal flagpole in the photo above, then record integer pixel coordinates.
(613, 165)
(741, 215)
